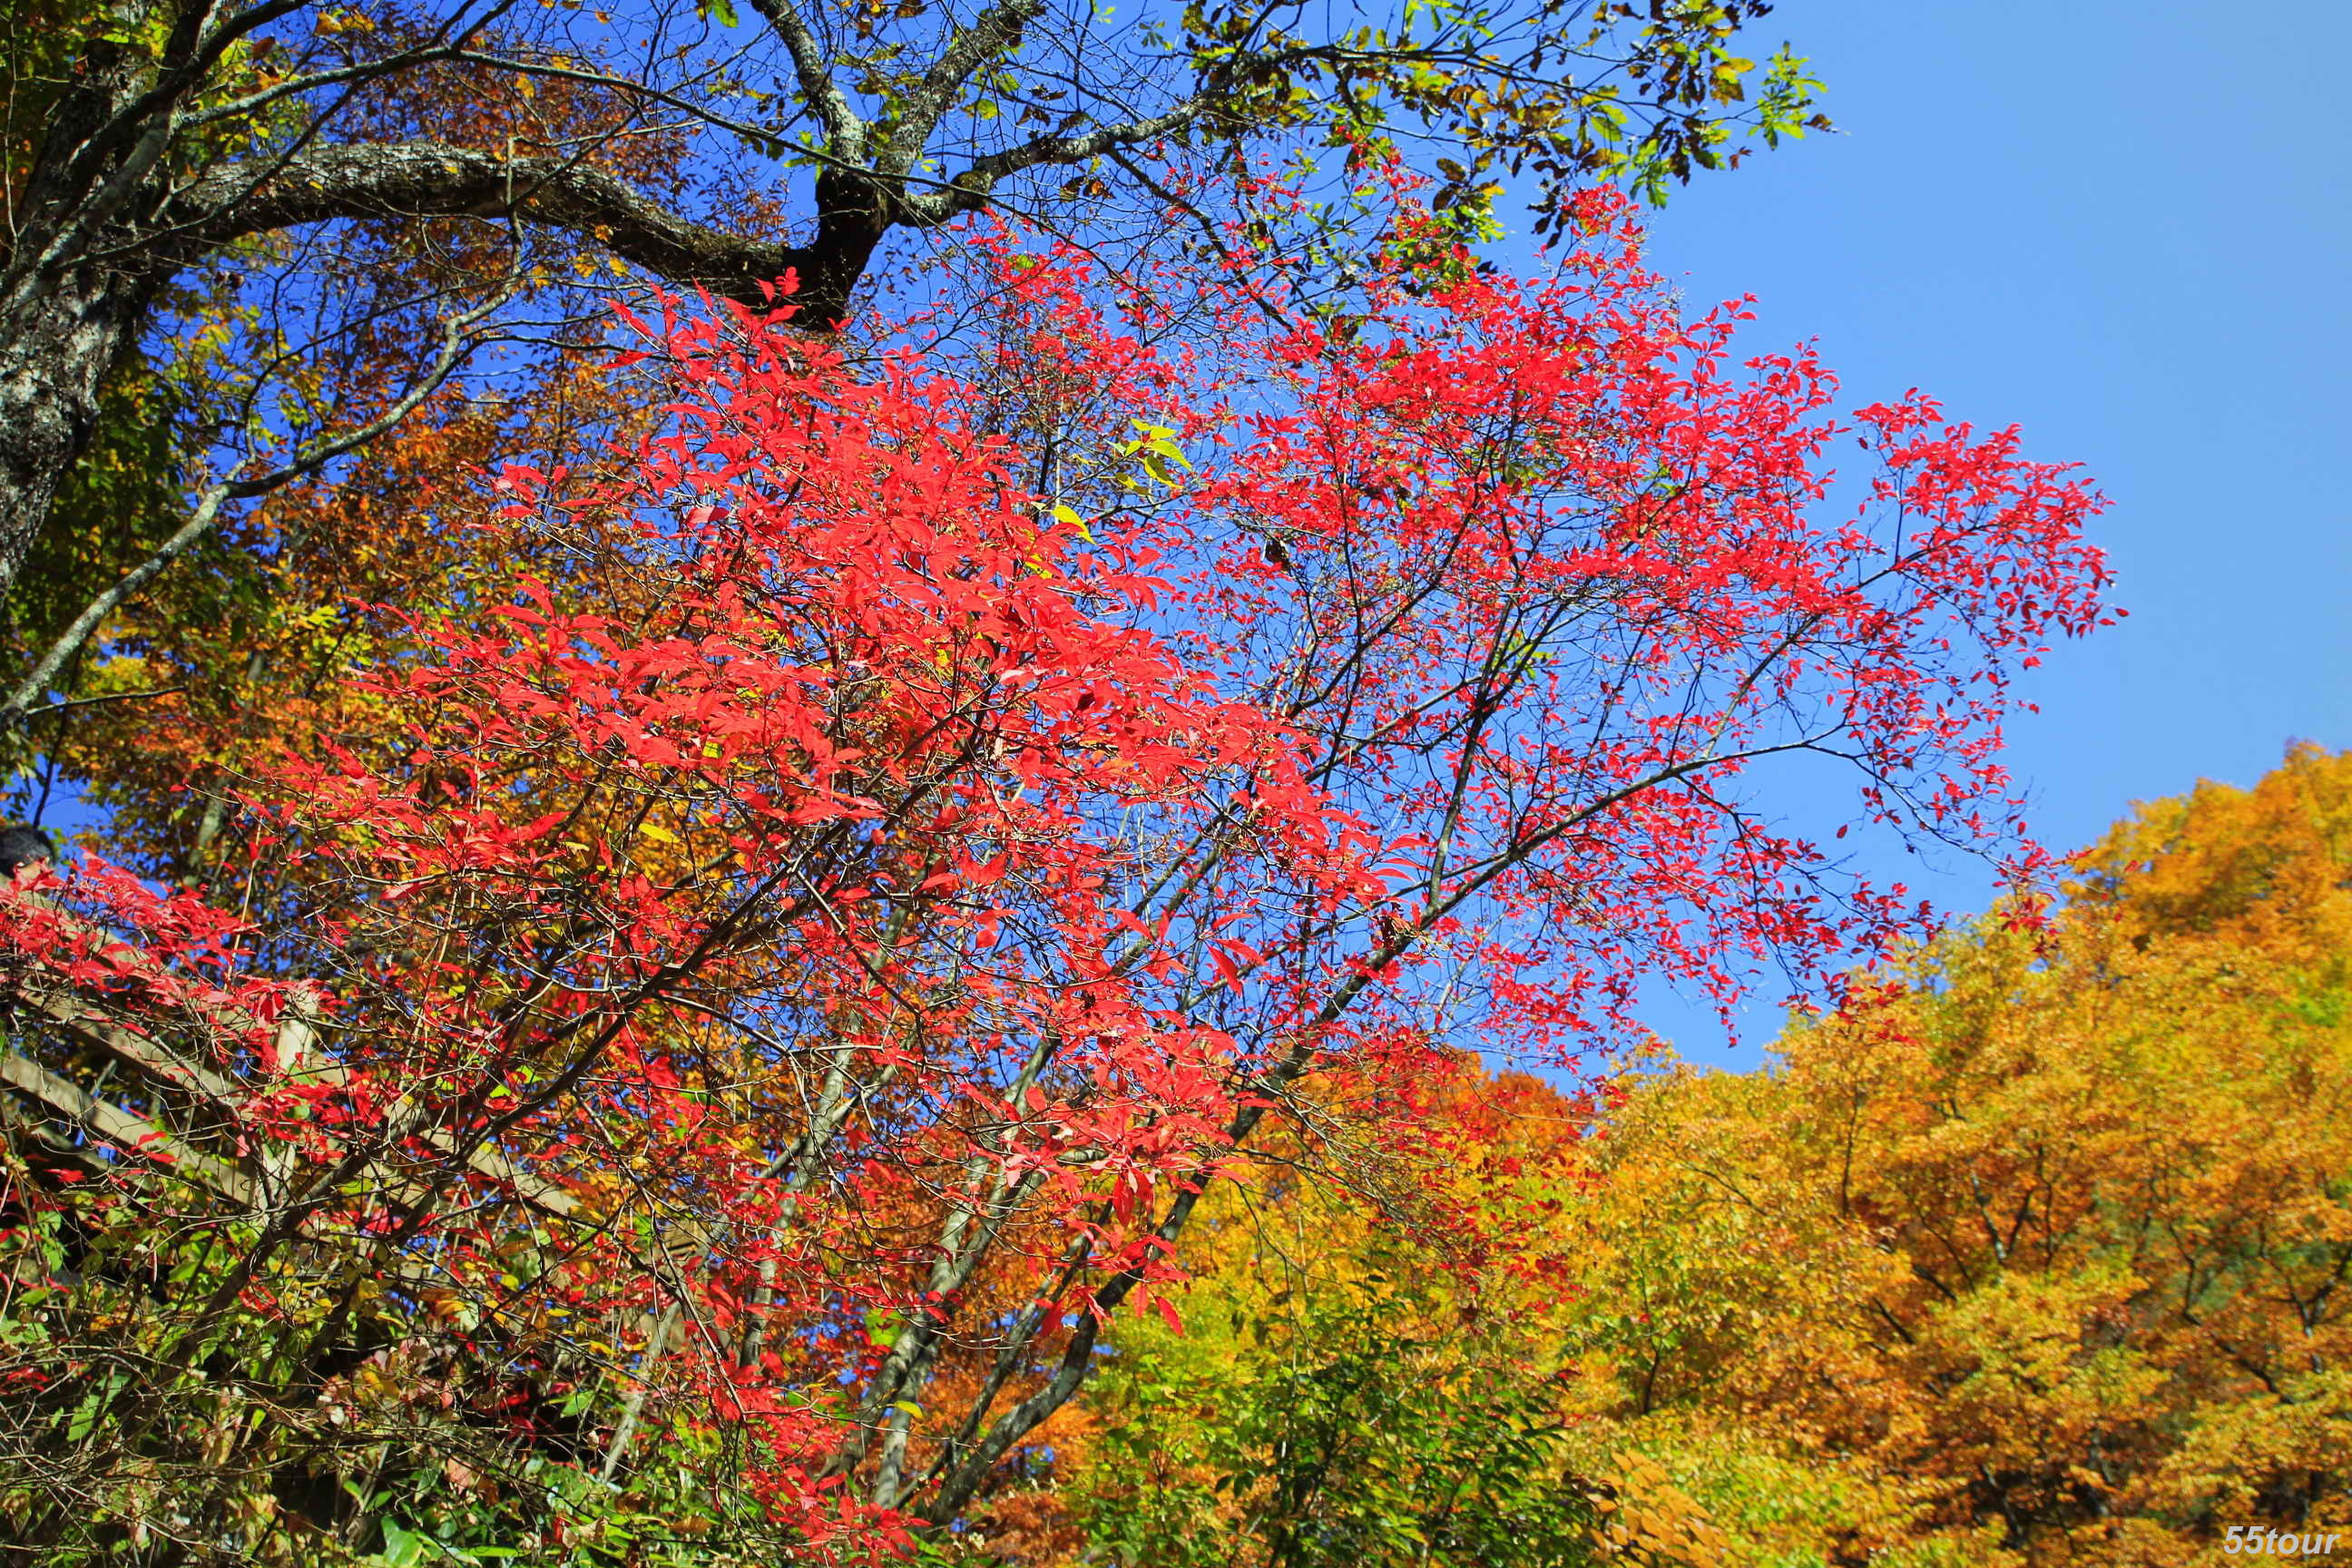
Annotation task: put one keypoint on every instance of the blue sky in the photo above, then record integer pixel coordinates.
(2127, 227)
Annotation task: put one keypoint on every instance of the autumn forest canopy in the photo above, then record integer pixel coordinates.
(825, 782)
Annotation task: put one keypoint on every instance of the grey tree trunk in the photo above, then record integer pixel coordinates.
(50, 370)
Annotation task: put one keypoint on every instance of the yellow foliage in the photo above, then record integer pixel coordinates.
(2044, 1235)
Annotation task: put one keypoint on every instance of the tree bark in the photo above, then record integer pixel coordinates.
(50, 370)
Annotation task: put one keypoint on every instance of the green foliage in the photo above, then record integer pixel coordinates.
(1368, 1422)
(325, 1417)
(1561, 94)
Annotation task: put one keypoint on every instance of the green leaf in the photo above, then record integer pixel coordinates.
(404, 1547)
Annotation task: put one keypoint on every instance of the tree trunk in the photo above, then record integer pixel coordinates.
(50, 370)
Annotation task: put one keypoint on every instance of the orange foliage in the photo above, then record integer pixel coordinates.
(2041, 1246)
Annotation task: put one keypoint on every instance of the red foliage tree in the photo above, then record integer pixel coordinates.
(845, 921)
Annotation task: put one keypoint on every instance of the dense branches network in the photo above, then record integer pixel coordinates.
(772, 956)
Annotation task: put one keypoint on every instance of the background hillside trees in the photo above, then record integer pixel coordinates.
(2057, 1230)
(2035, 1252)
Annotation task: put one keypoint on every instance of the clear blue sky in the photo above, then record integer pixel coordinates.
(2127, 227)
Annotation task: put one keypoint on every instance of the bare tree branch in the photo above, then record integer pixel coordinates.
(814, 68)
(997, 29)
(970, 191)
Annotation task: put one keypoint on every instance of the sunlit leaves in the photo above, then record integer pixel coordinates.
(2033, 1246)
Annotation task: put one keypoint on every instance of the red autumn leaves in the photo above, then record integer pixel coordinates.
(943, 803)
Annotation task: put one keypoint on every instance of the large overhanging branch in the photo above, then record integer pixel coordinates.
(430, 179)
(869, 180)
